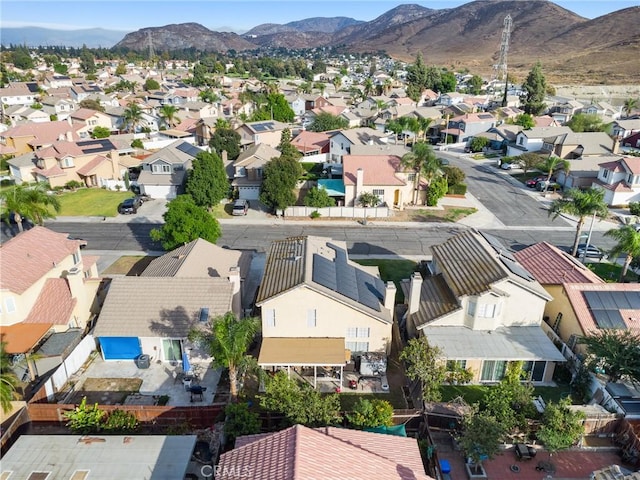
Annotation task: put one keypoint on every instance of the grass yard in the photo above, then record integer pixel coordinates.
(610, 272)
(90, 202)
(129, 265)
(394, 270)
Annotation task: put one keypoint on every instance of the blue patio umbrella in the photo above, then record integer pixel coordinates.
(186, 366)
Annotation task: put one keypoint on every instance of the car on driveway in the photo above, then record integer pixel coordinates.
(591, 252)
(549, 186)
(240, 207)
(532, 182)
(129, 206)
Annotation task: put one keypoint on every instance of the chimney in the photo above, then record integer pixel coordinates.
(359, 182)
(236, 297)
(390, 296)
(615, 149)
(115, 167)
(415, 288)
(75, 281)
(69, 136)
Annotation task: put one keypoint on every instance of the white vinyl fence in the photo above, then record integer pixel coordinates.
(339, 212)
(70, 365)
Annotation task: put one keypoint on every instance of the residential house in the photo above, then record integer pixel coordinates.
(56, 81)
(533, 139)
(451, 98)
(583, 171)
(381, 174)
(314, 146)
(154, 315)
(33, 136)
(19, 93)
(297, 104)
(318, 307)
(342, 141)
(337, 111)
(267, 131)
(87, 120)
(313, 100)
(482, 308)
(20, 114)
(163, 173)
(248, 170)
(545, 121)
(603, 109)
(624, 128)
(198, 109)
(204, 130)
(464, 127)
(620, 180)
(47, 285)
(501, 136)
(79, 457)
(60, 107)
(329, 453)
(562, 110)
(572, 145)
(82, 91)
(631, 142)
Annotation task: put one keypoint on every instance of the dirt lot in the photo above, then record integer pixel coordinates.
(107, 391)
(129, 265)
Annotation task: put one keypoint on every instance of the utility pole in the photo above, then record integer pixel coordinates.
(500, 69)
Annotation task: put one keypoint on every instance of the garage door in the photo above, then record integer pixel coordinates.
(120, 348)
(155, 191)
(249, 193)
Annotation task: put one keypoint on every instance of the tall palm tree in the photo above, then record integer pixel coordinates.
(337, 82)
(368, 87)
(32, 202)
(581, 204)
(551, 164)
(228, 342)
(132, 117)
(628, 244)
(425, 123)
(423, 162)
(8, 380)
(386, 86)
(169, 115)
(629, 105)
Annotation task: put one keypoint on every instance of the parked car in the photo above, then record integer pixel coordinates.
(129, 206)
(591, 252)
(549, 186)
(532, 182)
(240, 207)
(443, 162)
(508, 165)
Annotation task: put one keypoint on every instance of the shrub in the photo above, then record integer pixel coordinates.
(240, 421)
(478, 144)
(73, 185)
(371, 413)
(458, 189)
(84, 419)
(137, 143)
(120, 421)
(6, 182)
(454, 175)
(634, 208)
(437, 189)
(315, 214)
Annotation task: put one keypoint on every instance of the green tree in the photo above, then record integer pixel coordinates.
(121, 69)
(535, 87)
(276, 108)
(615, 352)
(280, 176)
(424, 363)
(239, 420)
(100, 132)
(226, 139)
(300, 403)
(628, 239)
(185, 221)
(169, 115)
(368, 199)
(551, 165)
(586, 122)
(481, 437)
(423, 162)
(85, 419)
(151, 84)
(8, 380)
(629, 105)
(478, 144)
(510, 402)
(448, 82)
(287, 150)
(227, 342)
(207, 181)
(91, 104)
(437, 189)
(525, 120)
(416, 78)
(454, 175)
(529, 161)
(475, 85)
(325, 121)
(87, 60)
(32, 202)
(561, 427)
(61, 68)
(137, 143)
(132, 117)
(318, 198)
(579, 203)
(371, 413)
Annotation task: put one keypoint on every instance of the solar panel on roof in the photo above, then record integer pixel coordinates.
(605, 307)
(189, 149)
(498, 246)
(517, 269)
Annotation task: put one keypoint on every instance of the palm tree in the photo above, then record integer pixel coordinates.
(337, 82)
(629, 105)
(169, 114)
(628, 244)
(423, 162)
(8, 380)
(581, 204)
(132, 117)
(386, 86)
(228, 342)
(32, 202)
(550, 165)
(368, 87)
(425, 123)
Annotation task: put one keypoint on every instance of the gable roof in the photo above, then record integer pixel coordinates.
(265, 126)
(301, 453)
(323, 266)
(22, 337)
(632, 164)
(544, 132)
(256, 155)
(473, 262)
(198, 258)
(377, 169)
(54, 304)
(592, 143)
(178, 152)
(307, 141)
(551, 266)
(28, 256)
(160, 306)
(363, 135)
(45, 132)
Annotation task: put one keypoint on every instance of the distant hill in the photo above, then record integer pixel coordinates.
(36, 36)
(316, 24)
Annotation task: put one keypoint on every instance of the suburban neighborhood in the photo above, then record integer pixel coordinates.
(349, 266)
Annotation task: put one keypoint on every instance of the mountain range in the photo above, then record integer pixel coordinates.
(571, 48)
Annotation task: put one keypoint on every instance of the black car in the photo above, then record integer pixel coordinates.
(129, 206)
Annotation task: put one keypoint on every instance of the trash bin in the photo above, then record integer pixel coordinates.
(143, 361)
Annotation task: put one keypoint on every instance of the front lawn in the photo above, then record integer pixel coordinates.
(610, 272)
(90, 202)
(394, 270)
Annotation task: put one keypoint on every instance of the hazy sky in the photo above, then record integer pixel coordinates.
(130, 15)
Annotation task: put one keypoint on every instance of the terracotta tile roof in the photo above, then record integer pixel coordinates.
(633, 164)
(22, 337)
(84, 113)
(331, 109)
(309, 141)
(301, 453)
(59, 149)
(575, 294)
(620, 186)
(45, 132)
(88, 168)
(377, 169)
(551, 266)
(614, 166)
(54, 305)
(30, 255)
(54, 171)
(89, 260)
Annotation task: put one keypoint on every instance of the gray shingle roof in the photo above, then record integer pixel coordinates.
(160, 306)
(436, 300)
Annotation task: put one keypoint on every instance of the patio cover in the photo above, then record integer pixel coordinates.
(505, 343)
(302, 352)
(22, 337)
(334, 187)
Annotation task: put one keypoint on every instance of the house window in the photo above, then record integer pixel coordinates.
(357, 346)
(535, 370)
(471, 308)
(352, 332)
(521, 141)
(67, 162)
(363, 332)
(204, 314)
(605, 173)
(161, 168)
(453, 365)
(411, 177)
(10, 304)
(76, 258)
(270, 317)
(493, 370)
(488, 310)
(311, 318)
